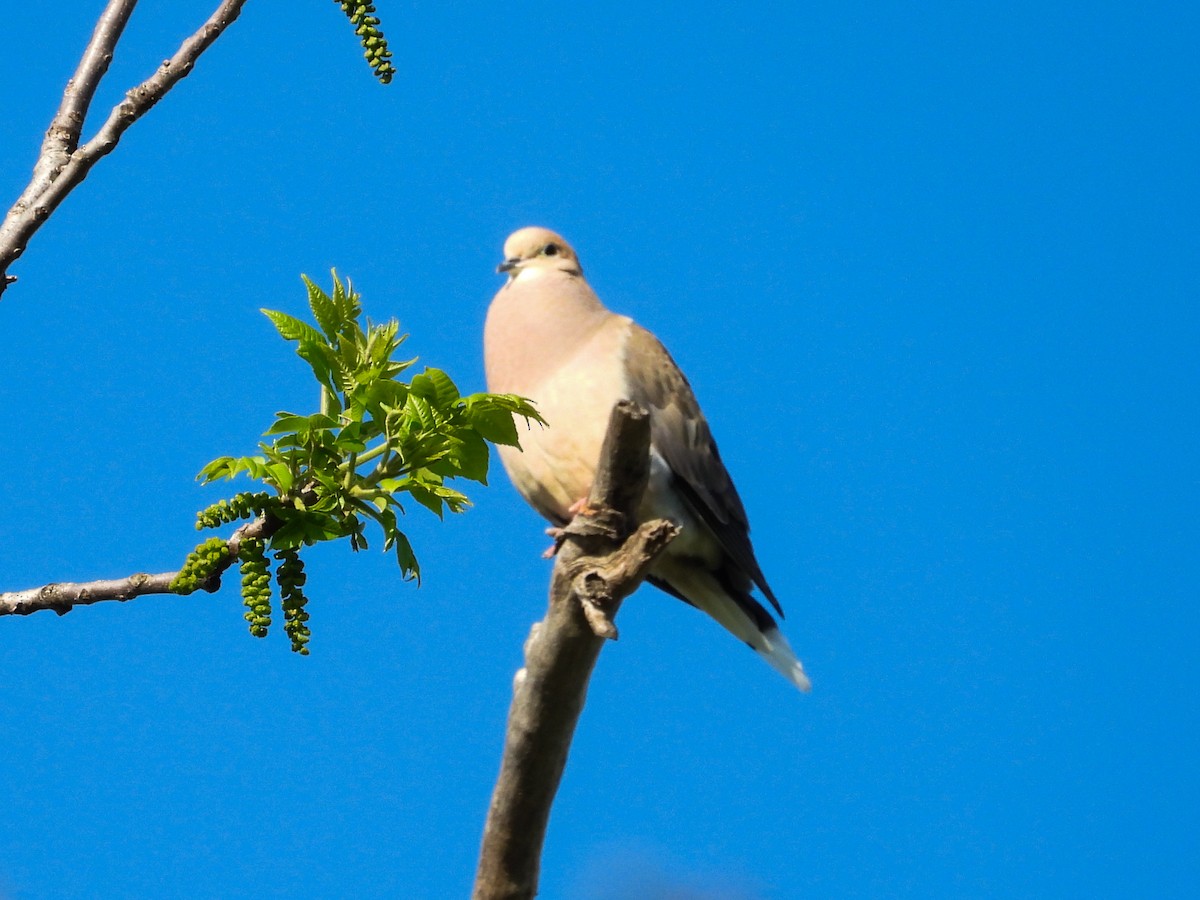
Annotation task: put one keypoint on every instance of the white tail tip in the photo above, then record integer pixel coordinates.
(779, 655)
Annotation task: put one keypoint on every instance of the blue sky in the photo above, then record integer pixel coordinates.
(933, 275)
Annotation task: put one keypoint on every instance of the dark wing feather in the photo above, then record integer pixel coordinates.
(681, 435)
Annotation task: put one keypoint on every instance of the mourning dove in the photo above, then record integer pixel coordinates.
(549, 338)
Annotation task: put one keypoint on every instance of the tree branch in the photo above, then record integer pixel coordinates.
(62, 164)
(600, 564)
(63, 135)
(63, 596)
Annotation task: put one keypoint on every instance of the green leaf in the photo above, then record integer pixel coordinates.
(511, 402)
(377, 398)
(321, 360)
(427, 498)
(286, 422)
(382, 342)
(323, 308)
(348, 443)
(405, 557)
(354, 436)
(495, 425)
(435, 386)
(219, 468)
(292, 329)
(327, 480)
(456, 501)
(345, 300)
(471, 456)
(387, 522)
(420, 409)
(281, 474)
(231, 466)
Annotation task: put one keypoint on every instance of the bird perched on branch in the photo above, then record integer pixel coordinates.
(549, 338)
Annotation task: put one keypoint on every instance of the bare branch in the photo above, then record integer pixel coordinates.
(77, 98)
(600, 564)
(64, 596)
(63, 135)
(62, 164)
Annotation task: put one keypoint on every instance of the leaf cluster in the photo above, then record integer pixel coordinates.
(375, 441)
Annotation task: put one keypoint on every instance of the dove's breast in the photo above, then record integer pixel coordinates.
(557, 462)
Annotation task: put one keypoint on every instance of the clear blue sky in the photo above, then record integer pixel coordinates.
(933, 274)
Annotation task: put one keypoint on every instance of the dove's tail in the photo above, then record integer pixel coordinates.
(738, 612)
(779, 655)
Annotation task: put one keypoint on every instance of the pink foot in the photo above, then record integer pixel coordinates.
(580, 507)
(557, 534)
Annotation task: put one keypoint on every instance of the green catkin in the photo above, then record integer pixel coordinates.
(366, 26)
(241, 506)
(199, 565)
(256, 585)
(290, 575)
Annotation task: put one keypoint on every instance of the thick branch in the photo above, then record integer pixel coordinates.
(64, 596)
(600, 563)
(62, 165)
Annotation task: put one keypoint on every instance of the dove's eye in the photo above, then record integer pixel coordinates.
(551, 250)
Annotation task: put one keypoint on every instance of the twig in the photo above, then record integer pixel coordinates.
(62, 164)
(600, 564)
(63, 596)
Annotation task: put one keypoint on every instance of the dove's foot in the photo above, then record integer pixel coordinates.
(581, 507)
(558, 535)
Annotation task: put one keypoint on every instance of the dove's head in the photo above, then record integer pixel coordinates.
(531, 252)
